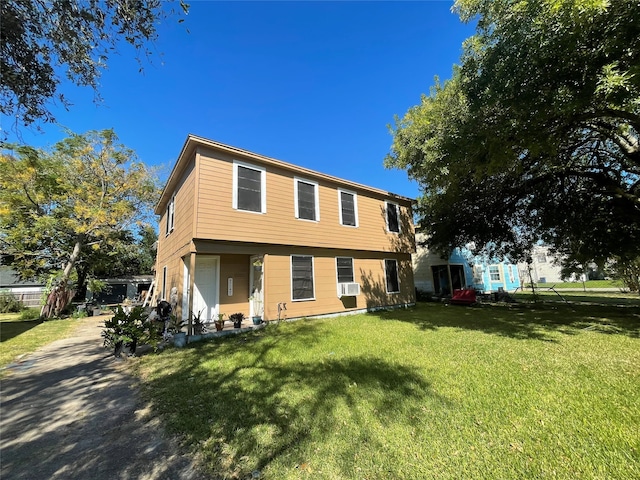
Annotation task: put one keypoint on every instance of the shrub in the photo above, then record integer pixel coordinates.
(31, 313)
(9, 303)
(129, 329)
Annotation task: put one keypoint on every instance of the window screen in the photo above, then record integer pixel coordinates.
(391, 271)
(249, 189)
(302, 278)
(348, 209)
(306, 201)
(392, 217)
(345, 269)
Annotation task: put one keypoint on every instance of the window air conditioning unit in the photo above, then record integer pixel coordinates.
(348, 289)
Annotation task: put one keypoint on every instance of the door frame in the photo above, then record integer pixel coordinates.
(214, 308)
(252, 270)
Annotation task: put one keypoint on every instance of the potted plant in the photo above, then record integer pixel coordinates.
(257, 309)
(219, 323)
(127, 329)
(198, 325)
(175, 327)
(237, 319)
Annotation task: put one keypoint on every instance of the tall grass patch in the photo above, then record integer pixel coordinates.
(428, 392)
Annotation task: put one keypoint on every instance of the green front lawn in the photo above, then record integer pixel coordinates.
(588, 284)
(504, 392)
(19, 337)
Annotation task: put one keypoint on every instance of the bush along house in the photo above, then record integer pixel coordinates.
(244, 233)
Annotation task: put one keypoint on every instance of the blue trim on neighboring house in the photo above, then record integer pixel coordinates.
(477, 273)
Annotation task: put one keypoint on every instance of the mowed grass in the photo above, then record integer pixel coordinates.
(19, 337)
(587, 284)
(504, 392)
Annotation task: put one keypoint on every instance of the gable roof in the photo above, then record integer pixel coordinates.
(193, 142)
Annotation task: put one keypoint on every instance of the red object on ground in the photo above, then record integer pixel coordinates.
(466, 296)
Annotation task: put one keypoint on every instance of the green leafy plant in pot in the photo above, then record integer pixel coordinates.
(128, 329)
(219, 323)
(237, 319)
(175, 328)
(198, 324)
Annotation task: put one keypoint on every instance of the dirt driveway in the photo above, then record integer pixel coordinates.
(71, 411)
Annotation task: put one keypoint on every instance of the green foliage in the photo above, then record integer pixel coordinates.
(129, 329)
(536, 135)
(9, 303)
(198, 325)
(175, 324)
(39, 39)
(627, 271)
(73, 206)
(31, 313)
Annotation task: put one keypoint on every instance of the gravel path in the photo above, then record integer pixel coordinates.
(71, 411)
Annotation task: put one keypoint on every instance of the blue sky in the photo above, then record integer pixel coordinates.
(310, 83)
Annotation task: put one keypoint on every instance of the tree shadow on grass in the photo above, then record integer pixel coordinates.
(264, 406)
(520, 321)
(9, 330)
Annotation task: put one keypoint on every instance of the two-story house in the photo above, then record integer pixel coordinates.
(241, 232)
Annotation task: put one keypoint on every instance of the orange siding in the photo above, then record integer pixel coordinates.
(236, 267)
(368, 272)
(172, 247)
(207, 223)
(216, 218)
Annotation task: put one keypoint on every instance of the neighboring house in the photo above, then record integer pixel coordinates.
(118, 289)
(544, 268)
(439, 276)
(241, 232)
(29, 292)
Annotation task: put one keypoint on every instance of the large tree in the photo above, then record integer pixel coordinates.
(536, 135)
(42, 40)
(75, 204)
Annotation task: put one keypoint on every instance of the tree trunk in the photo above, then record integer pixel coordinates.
(61, 295)
(81, 290)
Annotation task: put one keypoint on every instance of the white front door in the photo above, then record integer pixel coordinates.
(206, 283)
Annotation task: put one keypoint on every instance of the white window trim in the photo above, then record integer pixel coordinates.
(263, 186)
(164, 283)
(386, 216)
(171, 214)
(313, 278)
(512, 275)
(397, 275)
(355, 207)
(500, 276)
(316, 193)
(353, 269)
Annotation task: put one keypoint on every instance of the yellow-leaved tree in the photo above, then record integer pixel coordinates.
(60, 204)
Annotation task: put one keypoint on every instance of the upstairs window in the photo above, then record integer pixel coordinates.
(393, 223)
(348, 208)
(391, 274)
(306, 196)
(344, 266)
(302, 277)
(171, 208)
(249, 188)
